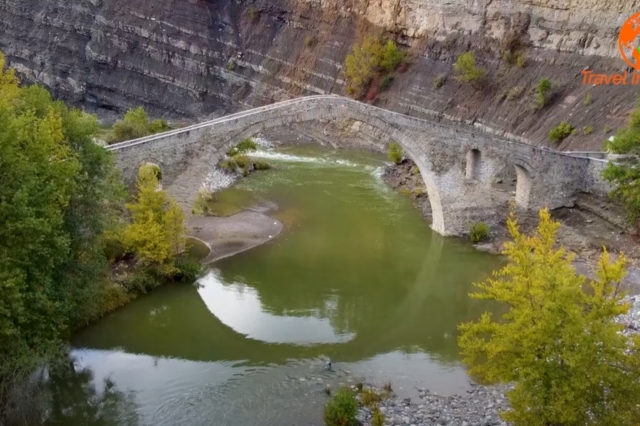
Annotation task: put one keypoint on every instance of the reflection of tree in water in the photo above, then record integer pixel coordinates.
(75, 400)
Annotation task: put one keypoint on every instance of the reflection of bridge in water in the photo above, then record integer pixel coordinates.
(178, 324)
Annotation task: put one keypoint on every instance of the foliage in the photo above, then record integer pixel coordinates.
(560, 132)
(377, 418)
(341, 410)
(478, 232)
(252, 13)
(370, 397)
(386, 82)
(542, 92)
(558, 342)
(367, 59)
(201, 204)
(587, 130)
(261, 165)
(521, 61)
(156, 232)
(465, 68)
(135, 125)
(439, 81)
(243, 147)
(394, 153)
(587, 100)
(606, 129)
(231, 65)
(309, 41)
(57, 193)
(624, 174)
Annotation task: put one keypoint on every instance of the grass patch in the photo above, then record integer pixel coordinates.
(342, 409)
(542, 92)
(587, 100)
(369, 397)
(521, 60)
(243, 147)
(587, 130)
(478, 232)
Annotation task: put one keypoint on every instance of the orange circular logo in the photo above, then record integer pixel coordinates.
(629, 41)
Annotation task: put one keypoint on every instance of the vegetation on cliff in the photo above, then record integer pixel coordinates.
(558, 342)
(373, 58)
(465, 69)
(136, 124)
(625, 174)
(61, 201)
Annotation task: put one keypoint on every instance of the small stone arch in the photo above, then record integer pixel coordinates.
(473, 164)
(516, 179)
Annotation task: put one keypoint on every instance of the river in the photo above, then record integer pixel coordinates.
(356, 277)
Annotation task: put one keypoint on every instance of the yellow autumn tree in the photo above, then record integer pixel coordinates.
(156, 233)
(557, 343)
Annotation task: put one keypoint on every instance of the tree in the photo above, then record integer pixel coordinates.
(361, 64)
(465, 68)
(391, 57)
(56, 192)
(625, 173)
(557, 342)
(136, 124)
(156, 232)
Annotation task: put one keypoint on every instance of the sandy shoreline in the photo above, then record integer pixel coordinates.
(226, 236)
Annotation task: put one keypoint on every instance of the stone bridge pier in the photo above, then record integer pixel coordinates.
(458, 163)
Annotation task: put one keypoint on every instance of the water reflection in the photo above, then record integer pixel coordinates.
(238, 306)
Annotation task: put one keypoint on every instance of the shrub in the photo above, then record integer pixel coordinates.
(465, 68)
(201, 204)
(231, 65)
(542, 92)
(341, 410)
(229, 164)
(587, 99)
(587, 130)
(559, 133)
(369, 397)
(377, 418)
(521, 60)
(252, 13)
(261, 165)
(187, 270)
(607, 129)
(309, 41)
(386, 82)
(394, 153)
(515, 93)
(478, 232)
(391, 57)
(439, 81)
(243, 147)
(135, 125)
(243, 163)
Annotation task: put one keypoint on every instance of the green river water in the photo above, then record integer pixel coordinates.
(357, 276)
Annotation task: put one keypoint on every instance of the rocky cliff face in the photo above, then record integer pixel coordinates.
(198, 58)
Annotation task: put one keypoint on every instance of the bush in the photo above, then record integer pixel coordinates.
(341, 410)
(261, 165)
(243, 163)
(386, 82)
(243, 147)
(369, 397)
(135, 125)
(439, 81)
(369, 58)
(394, 153)
(187, 270)
(521, 60)
(465, 68)
(478, 232)
(201, 204)
(252, 13)
(231, 65)
(391, 57)
(587, 130)
(607, 129)
(229, 165)
(542, 92)
(559, 133)
(309, 41)
(587, 100)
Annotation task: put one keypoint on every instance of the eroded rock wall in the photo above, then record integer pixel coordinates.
(201, 58)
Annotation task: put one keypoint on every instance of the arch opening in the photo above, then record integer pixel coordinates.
(473, 164)
(515, 182)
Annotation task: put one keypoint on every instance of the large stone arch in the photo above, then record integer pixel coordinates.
(387, 132)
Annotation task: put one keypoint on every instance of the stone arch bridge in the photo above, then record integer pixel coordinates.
(457, 161)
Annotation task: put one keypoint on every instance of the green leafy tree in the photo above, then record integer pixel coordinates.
(391, 56)
(558, 342)
(156, 233)
(465, 68)
(624, 174)
(136, 124)
(56, 196)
